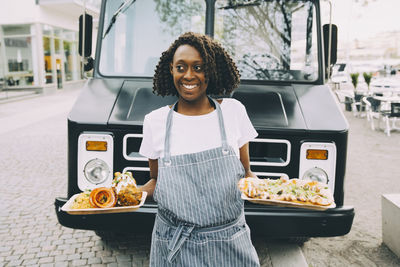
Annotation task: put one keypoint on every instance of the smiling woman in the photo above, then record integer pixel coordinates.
(198, 146)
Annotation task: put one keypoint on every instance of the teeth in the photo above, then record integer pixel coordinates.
(187, 86)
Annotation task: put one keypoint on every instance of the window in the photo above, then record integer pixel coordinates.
(140, 34)
(18, 49)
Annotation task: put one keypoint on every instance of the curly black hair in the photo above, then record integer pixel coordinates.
(221, 72)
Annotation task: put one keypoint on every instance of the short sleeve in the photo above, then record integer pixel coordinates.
(247, 131)
(147, 148)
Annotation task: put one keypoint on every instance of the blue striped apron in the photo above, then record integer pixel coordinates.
(200, 219)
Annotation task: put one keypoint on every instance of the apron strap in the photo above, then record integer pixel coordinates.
(180, 235)
(167, 151)
(224, 141)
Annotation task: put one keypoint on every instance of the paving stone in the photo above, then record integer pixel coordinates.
(58, 242)
(81, 262)
(46, 260)
(88, 244)
(55, 252)
(86, 255)
(30, 261)
(74, 257)
(13, 257)
(33, 250)
(60, 258)
(94, 260)
(122, 258)
(42, 254)
(14, 263)
(61, 264)
(28, 256)
(69, 251)
(83, 250)
(18, 251)
(107, 259)
(5, 249)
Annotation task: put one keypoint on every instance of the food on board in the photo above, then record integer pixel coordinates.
(103, 197)
(129, 195)
(123, 192)
(293, 190)
(82, 201)
(122, 180)
(126, 189)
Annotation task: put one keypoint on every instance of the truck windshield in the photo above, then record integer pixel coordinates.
(268, 39)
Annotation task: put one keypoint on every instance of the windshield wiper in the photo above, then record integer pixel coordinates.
(239, 5)
(120, 10)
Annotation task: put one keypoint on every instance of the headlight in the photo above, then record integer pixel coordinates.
(316, 174)
(96, 171)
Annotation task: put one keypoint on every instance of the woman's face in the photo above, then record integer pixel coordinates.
(187, 69)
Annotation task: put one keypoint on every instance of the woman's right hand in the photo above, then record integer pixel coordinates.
(151, 184)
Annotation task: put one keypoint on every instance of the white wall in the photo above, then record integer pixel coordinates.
(18, 11)
(27, 12)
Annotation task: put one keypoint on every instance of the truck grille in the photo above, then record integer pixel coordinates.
(264, 153)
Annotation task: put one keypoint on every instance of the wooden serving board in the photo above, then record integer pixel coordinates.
(67, 207)
(282, 203)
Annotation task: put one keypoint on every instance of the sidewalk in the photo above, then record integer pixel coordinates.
(9, 96)
(24, 108)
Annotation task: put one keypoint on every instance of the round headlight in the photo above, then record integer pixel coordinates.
(316, 174)
(96, 171)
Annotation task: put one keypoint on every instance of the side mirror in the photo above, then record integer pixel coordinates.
(85, 35)
(333, 46)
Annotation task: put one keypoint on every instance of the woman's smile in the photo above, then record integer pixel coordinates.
(190, 86)
(187, 69)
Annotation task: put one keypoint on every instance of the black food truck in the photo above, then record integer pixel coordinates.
(278, 46)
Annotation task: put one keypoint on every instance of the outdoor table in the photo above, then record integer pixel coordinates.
(389, 111)
(388, 99)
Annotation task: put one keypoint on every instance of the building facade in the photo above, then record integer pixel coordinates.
(39, 42)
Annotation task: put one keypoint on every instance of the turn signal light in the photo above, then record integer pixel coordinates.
(317, 154)
(96, 145)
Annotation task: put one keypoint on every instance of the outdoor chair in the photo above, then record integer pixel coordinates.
(358, 105)
(390, 117)
(372, 110)
(350, 102)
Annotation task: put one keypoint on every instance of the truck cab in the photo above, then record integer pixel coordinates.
(280, 51)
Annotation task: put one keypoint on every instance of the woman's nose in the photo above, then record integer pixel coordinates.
(189, 74)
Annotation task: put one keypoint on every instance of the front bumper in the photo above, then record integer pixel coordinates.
(263, 220)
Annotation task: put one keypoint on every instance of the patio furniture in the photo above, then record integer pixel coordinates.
(372, 109)
(351, 101)
(391, 115)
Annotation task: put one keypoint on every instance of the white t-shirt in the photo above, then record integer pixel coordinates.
(191, 134)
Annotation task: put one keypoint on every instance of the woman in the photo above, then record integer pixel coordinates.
(198, 150)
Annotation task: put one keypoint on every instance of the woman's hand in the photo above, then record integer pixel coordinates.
(151, 184)
(245, 159)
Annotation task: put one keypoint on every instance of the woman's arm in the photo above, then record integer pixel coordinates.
(245, 159)
(151, 184)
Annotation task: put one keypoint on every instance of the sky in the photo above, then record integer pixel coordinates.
(356, 21)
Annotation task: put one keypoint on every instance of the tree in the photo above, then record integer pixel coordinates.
(354, 79)
(267, 25)
(367, 78)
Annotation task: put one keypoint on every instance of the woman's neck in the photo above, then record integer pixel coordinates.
(194, 108)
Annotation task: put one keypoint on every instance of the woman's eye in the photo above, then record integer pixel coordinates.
(180, 68)
(198, 68)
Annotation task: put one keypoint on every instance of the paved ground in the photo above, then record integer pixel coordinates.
(33, 173)
(372, 170)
